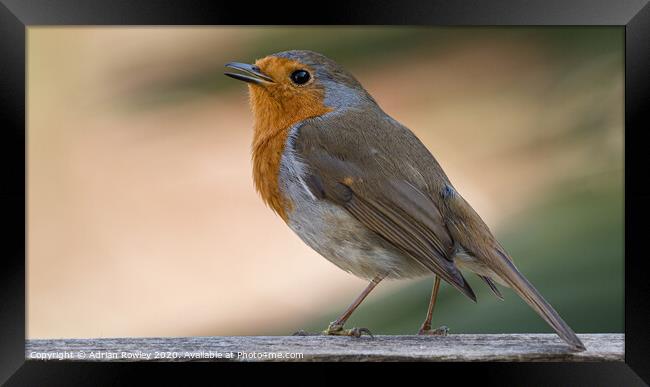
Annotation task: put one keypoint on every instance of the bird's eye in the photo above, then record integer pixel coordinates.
(300, 77)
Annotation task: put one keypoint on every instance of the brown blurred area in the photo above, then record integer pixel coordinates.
(142, 216)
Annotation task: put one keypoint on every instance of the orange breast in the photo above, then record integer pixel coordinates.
(273, 119)
(267, 154)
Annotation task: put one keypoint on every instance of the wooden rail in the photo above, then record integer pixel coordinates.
(455, 347)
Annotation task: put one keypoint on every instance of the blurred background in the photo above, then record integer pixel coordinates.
(143, 219)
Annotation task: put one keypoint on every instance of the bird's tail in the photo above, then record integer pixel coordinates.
(510, 275)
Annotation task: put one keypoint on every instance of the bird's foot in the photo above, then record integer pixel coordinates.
(335, 329)
(427, 331)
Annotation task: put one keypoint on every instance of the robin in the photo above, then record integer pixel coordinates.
(363, 191)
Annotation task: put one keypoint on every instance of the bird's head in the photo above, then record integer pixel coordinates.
(291, 86)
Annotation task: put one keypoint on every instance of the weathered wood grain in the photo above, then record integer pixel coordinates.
(456, 347)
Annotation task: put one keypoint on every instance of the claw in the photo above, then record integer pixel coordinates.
(442, 331)
(358, 332)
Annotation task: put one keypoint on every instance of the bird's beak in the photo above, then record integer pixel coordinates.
(252, 73)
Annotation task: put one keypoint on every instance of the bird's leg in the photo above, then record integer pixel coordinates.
(336, 327)
(426, 325)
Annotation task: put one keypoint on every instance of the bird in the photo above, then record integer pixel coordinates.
(363, 191)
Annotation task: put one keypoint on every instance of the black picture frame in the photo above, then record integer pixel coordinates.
(633, 15)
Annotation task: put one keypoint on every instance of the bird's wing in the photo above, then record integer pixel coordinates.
(382, 197)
